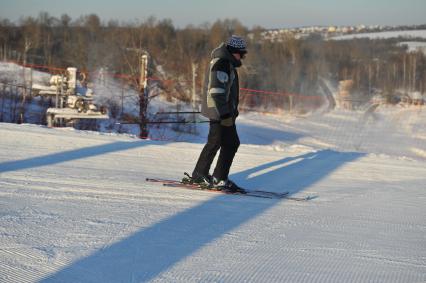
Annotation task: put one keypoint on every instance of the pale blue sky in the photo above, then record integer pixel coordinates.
(266, 13)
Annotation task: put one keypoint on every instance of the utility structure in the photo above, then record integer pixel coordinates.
(72, 101)
(141, 82)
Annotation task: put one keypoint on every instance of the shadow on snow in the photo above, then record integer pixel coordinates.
(151, 251)
(70, 155)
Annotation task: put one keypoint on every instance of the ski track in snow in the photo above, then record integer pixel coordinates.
(74, 206)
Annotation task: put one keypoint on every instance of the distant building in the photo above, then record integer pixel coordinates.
(332, 29)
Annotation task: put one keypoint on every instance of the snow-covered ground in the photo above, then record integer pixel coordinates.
(384, 35)
(414, 46)
(75, 207)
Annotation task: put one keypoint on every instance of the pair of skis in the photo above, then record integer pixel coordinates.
(250, 193)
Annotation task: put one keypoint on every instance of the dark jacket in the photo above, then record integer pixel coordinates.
(220, 101)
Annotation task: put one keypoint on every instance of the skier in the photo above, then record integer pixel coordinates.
(220, 106)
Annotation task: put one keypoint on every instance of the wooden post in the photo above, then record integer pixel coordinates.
(122, 99)
(2, 102)
(369, 80)
(291, 103)
(194, 96)
(143, 97)
(404, 74)
(24, 95)
(194, 92)
(50, 120)
(413, 84)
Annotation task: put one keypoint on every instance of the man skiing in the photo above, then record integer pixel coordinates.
(220, 106)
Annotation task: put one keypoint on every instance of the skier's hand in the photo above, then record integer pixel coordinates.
(228, 122)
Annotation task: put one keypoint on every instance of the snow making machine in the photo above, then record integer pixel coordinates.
(72, 100)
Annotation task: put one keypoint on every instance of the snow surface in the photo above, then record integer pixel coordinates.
(384, 35)
(414, 46)
(75, 207)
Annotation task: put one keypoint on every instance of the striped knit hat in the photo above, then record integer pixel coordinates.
(236, 44)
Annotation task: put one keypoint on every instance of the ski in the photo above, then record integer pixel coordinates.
(250, 193)
(259, 194)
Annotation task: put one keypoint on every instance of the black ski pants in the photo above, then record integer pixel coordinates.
(223, 138)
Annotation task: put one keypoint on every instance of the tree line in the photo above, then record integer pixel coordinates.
(290, 65)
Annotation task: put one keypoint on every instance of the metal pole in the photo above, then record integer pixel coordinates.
(57, 97)
(62, 92)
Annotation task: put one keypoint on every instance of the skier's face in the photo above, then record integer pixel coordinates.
(239, 56)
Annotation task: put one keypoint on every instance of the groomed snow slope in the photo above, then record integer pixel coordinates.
(74, 206)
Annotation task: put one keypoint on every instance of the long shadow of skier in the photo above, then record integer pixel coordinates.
(70, 155)
(148, 252)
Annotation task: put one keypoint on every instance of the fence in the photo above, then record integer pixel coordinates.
(264, 101)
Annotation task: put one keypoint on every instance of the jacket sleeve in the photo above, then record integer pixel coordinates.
(219, 86)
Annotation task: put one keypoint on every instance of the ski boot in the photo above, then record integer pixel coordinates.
(227, 186)
(205, 182)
